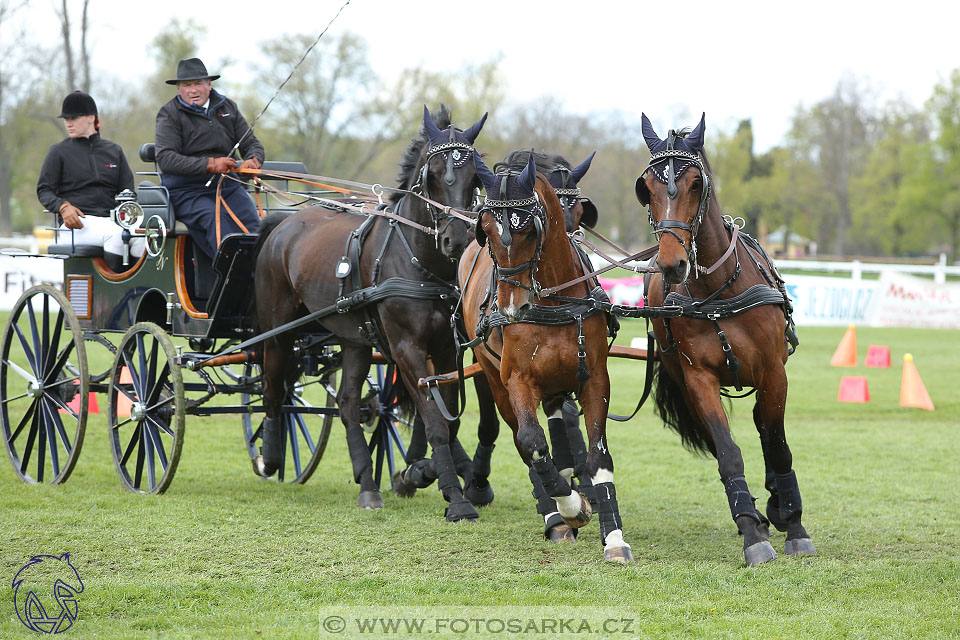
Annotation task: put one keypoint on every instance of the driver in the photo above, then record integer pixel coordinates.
(196, 133)
(81, 177)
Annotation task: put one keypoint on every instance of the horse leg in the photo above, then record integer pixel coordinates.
(702, 392)
(411, 359)
(356, 364)
(478, 490)
(531, 442)
(784, 507)
(578, 448)
(560, 445)
(419, 473)
(595, 399)
(277, 377)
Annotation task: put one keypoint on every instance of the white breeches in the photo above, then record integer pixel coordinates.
(102, 232)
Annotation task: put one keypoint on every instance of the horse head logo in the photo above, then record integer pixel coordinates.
(36, 580)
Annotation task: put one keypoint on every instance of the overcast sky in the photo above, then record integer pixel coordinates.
(672, 60)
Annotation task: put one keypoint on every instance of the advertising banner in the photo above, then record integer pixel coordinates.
(908, 301)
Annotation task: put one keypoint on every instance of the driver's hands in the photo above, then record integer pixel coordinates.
(221, 165)
(71, 216)
(250, 163)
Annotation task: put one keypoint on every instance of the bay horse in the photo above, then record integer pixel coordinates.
(736, 330)
(374, 271)
(566, 440)
(535, 347)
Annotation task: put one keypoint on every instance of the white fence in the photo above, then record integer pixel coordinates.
(857, 268)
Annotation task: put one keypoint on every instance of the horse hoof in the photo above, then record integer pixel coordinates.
(622, 555)
(758, 553)
(561, 533)
(402, 488)
(479, 497)
(370, 500)
(262, 469)
(459, 511)
(582, 518)
(800, 547)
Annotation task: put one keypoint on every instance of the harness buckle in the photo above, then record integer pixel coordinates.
(377, 190)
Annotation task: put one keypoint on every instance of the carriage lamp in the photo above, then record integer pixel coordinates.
(127, 214)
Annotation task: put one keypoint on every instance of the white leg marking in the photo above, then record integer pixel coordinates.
(601, 476)
(569, 506)
(567, 473)
(615, 539)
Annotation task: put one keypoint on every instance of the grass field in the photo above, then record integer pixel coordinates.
(223, 554)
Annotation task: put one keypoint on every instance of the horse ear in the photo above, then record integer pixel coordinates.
(643, 193)
(429, 125)
(581, 169)
(472, 133)
(528, 177)
(649, 135)
(487, 179)
(590, 214)
(695, 139)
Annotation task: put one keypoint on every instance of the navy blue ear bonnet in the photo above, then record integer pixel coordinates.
(690, 144)
(455, 145)
(511, 192)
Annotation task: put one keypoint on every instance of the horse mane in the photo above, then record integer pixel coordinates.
(409, 175)
(517, 160)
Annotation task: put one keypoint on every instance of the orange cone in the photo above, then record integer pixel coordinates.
(123, 402)
(846, 353)
(878, 356)
(853, 389)
(912, 391)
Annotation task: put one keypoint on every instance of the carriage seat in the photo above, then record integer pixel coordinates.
(74, 250)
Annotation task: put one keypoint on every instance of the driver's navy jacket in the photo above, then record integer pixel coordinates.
(187, 135)
(86, 172)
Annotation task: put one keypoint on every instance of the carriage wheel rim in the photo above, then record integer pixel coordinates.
(41, 432)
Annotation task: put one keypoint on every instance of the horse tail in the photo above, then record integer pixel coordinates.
(267, 225)
(672, 408)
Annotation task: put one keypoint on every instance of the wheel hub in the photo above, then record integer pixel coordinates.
(34, 389)
(138, 411)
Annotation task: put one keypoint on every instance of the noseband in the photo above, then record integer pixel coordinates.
(668, 174)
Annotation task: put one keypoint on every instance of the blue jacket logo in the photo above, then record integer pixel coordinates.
(32, 588)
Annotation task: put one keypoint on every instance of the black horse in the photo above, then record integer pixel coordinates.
(392, 285)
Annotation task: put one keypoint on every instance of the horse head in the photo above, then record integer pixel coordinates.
(512, 224)
(447, 175)
(564, 180)
(675, 188)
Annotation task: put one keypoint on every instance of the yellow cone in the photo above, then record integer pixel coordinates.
(912, 391)
(846, 353)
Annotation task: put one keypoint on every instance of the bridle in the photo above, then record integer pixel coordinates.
(456, 154)
(522, 213)
(670, 155)
(568, 196)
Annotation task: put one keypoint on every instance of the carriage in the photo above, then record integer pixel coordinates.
(158, 322)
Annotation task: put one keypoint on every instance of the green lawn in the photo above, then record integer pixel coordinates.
(223, 554)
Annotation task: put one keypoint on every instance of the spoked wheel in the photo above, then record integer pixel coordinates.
(304, 435)
(43, 386)
(146, 409)
(383, 419)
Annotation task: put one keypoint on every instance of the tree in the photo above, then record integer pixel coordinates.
(942, 181)
(71, 63)
(836, 135)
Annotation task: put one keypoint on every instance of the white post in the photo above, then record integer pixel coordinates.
(940, 271)
(856, 272)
